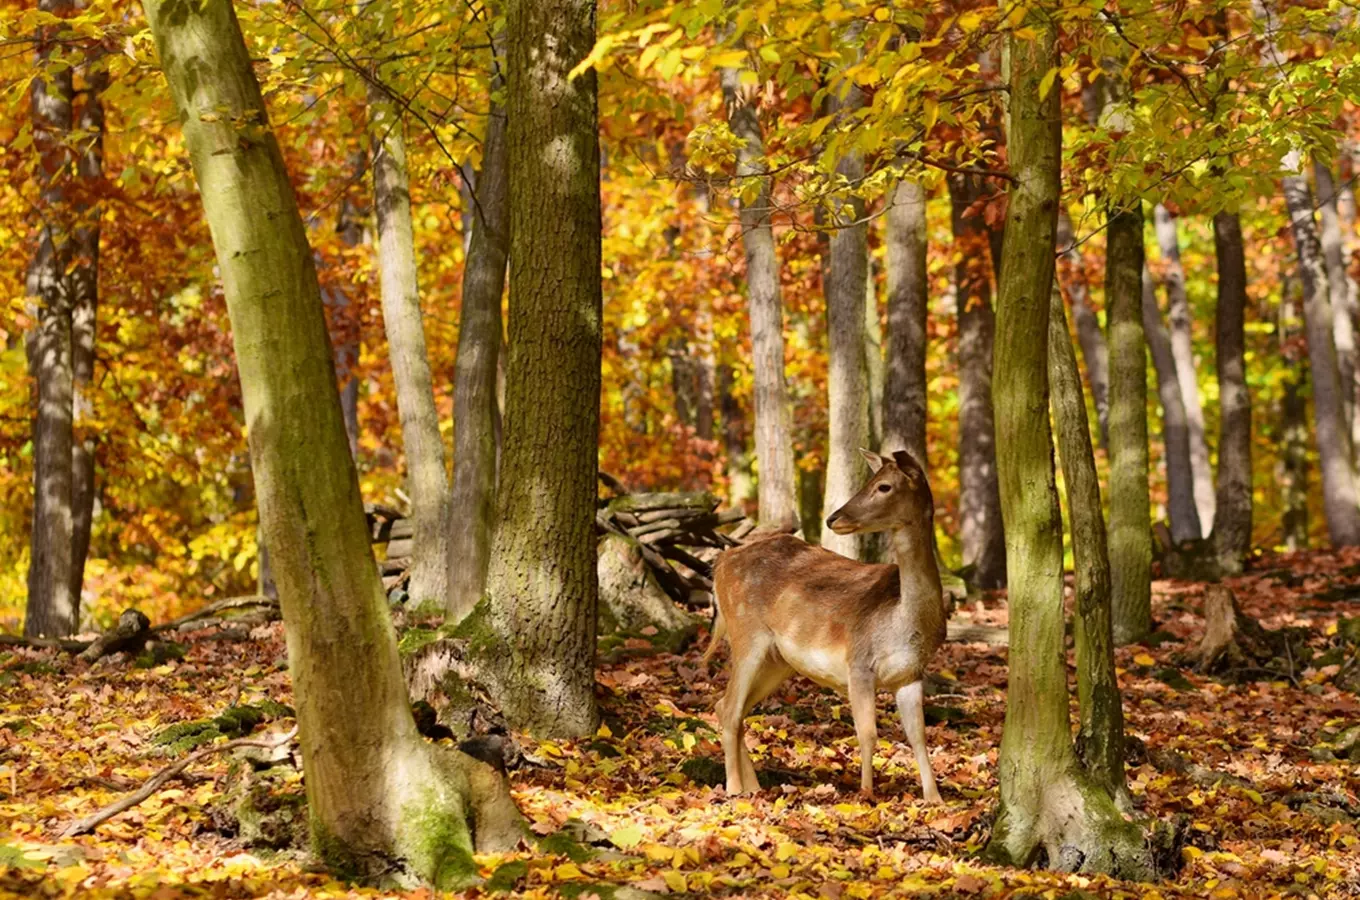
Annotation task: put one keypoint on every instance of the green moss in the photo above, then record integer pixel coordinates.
(235, 721)
(413, 640)
(437, 844)
(507, 877)
(477, 630)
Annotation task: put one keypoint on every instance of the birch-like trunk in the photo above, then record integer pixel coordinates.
(1339, 291)
(1180, 485)
(904, 382)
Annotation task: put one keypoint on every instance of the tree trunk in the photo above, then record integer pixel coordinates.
(344, 324)
(774, 423)
(1338, 291)
(1180, 486)
(904, 387)
(1100, 735)
(847, 385)
(1232, 519)
(537, 637)
(980, 528)
(427, 479)
(739, 487)
(1049, 804)
(382, 801)
(1089, 335)
(1293, 435)
(1339, 497)
(53, 610)
(84, 307)
(1182, 350)
(873, 354)
(476, 412)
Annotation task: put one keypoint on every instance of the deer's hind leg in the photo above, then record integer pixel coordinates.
(757, 669)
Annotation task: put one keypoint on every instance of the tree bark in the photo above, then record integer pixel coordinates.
(1232, 519)
(1049, 804)
(904, 384)
(427, 477)
(1293, 427)
(476, 412)
(739, 486)
(84, 308)
(538, 618)
(1339, 497)
(1182, 350)
(1094, 352)
(1100, 734)
(1339, 287)
(344, 325)
(873, 353)
(53, 610)
(776, 487)
(847, 384)
(1180, 485)
(382, 801)
(980, 528)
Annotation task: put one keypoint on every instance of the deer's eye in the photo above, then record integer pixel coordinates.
(884, 488)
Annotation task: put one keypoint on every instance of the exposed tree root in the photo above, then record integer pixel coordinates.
(1233, 642)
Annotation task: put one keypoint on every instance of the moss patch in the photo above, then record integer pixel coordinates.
(236, 721)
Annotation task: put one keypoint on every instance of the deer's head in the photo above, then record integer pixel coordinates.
(896, 495)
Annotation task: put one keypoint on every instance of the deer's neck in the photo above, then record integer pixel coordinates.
(922, 592)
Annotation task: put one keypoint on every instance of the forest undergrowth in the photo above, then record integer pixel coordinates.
(1260, 774)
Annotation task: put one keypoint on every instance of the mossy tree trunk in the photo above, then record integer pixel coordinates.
(904, 387)
(536, 628)
(1051, 810)
(847, 384)
(427, 478)
(1232, 518)
(53, 610)
(776, 489)
(476, 412)
(1100, 734)
(1180, 482)
(980, 526)
(1180, 325)
(383, 802)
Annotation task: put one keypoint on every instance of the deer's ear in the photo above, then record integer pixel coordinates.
(873, 459)
(906, 462)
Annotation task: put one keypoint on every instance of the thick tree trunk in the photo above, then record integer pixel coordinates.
(53, 610)
(1089, 334)
(1232, 518)
(383, 802)
(904, 384)
(84, 307)
(1339, 497)
(1339, 287)
(1049, 804)
(980, 528)
(847, 383)
(1100, 736)
(1180, 486)
(476, 412)
(1182, 350)
(773, 419)
(536, 640)
(427, 479)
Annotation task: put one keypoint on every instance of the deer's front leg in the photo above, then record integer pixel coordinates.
(911, 705)
(865, 713)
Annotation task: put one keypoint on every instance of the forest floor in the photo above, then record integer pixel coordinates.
(1247, 764)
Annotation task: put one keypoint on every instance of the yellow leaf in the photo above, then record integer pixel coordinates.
(675, 880)
(786, 850)
(627, 837)
(1144, 660)
(566, 872)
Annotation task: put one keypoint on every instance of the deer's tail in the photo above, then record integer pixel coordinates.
(717, 631)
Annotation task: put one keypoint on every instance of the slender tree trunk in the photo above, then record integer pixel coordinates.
(1293, 424)
(1049, 803)
(382, 801)
(1100, 736)
(537, 640)
(847, 379)
(53, 610)
(739, 486)
(84, 279)
(349, 225)
(904, 384)
(1089, 334)
(873, 355)
(1180, 486)
(980, 529)
(1338, 291)
(1339, 497)
(1182, 350)
(476, 412)
(1232, 519)
(773, 420)
(427, 477)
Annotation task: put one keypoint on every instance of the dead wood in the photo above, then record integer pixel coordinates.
(1233, 642)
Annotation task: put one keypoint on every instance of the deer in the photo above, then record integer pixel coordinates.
(786, 606)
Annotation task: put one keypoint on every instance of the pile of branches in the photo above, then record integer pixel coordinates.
(678, 534)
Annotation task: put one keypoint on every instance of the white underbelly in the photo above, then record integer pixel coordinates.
(823, 665)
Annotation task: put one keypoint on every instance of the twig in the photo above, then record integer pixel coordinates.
(155, 782)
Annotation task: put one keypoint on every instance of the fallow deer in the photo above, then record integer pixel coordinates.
(786, 606)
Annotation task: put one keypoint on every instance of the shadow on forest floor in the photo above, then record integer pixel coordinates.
(1256, 767)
